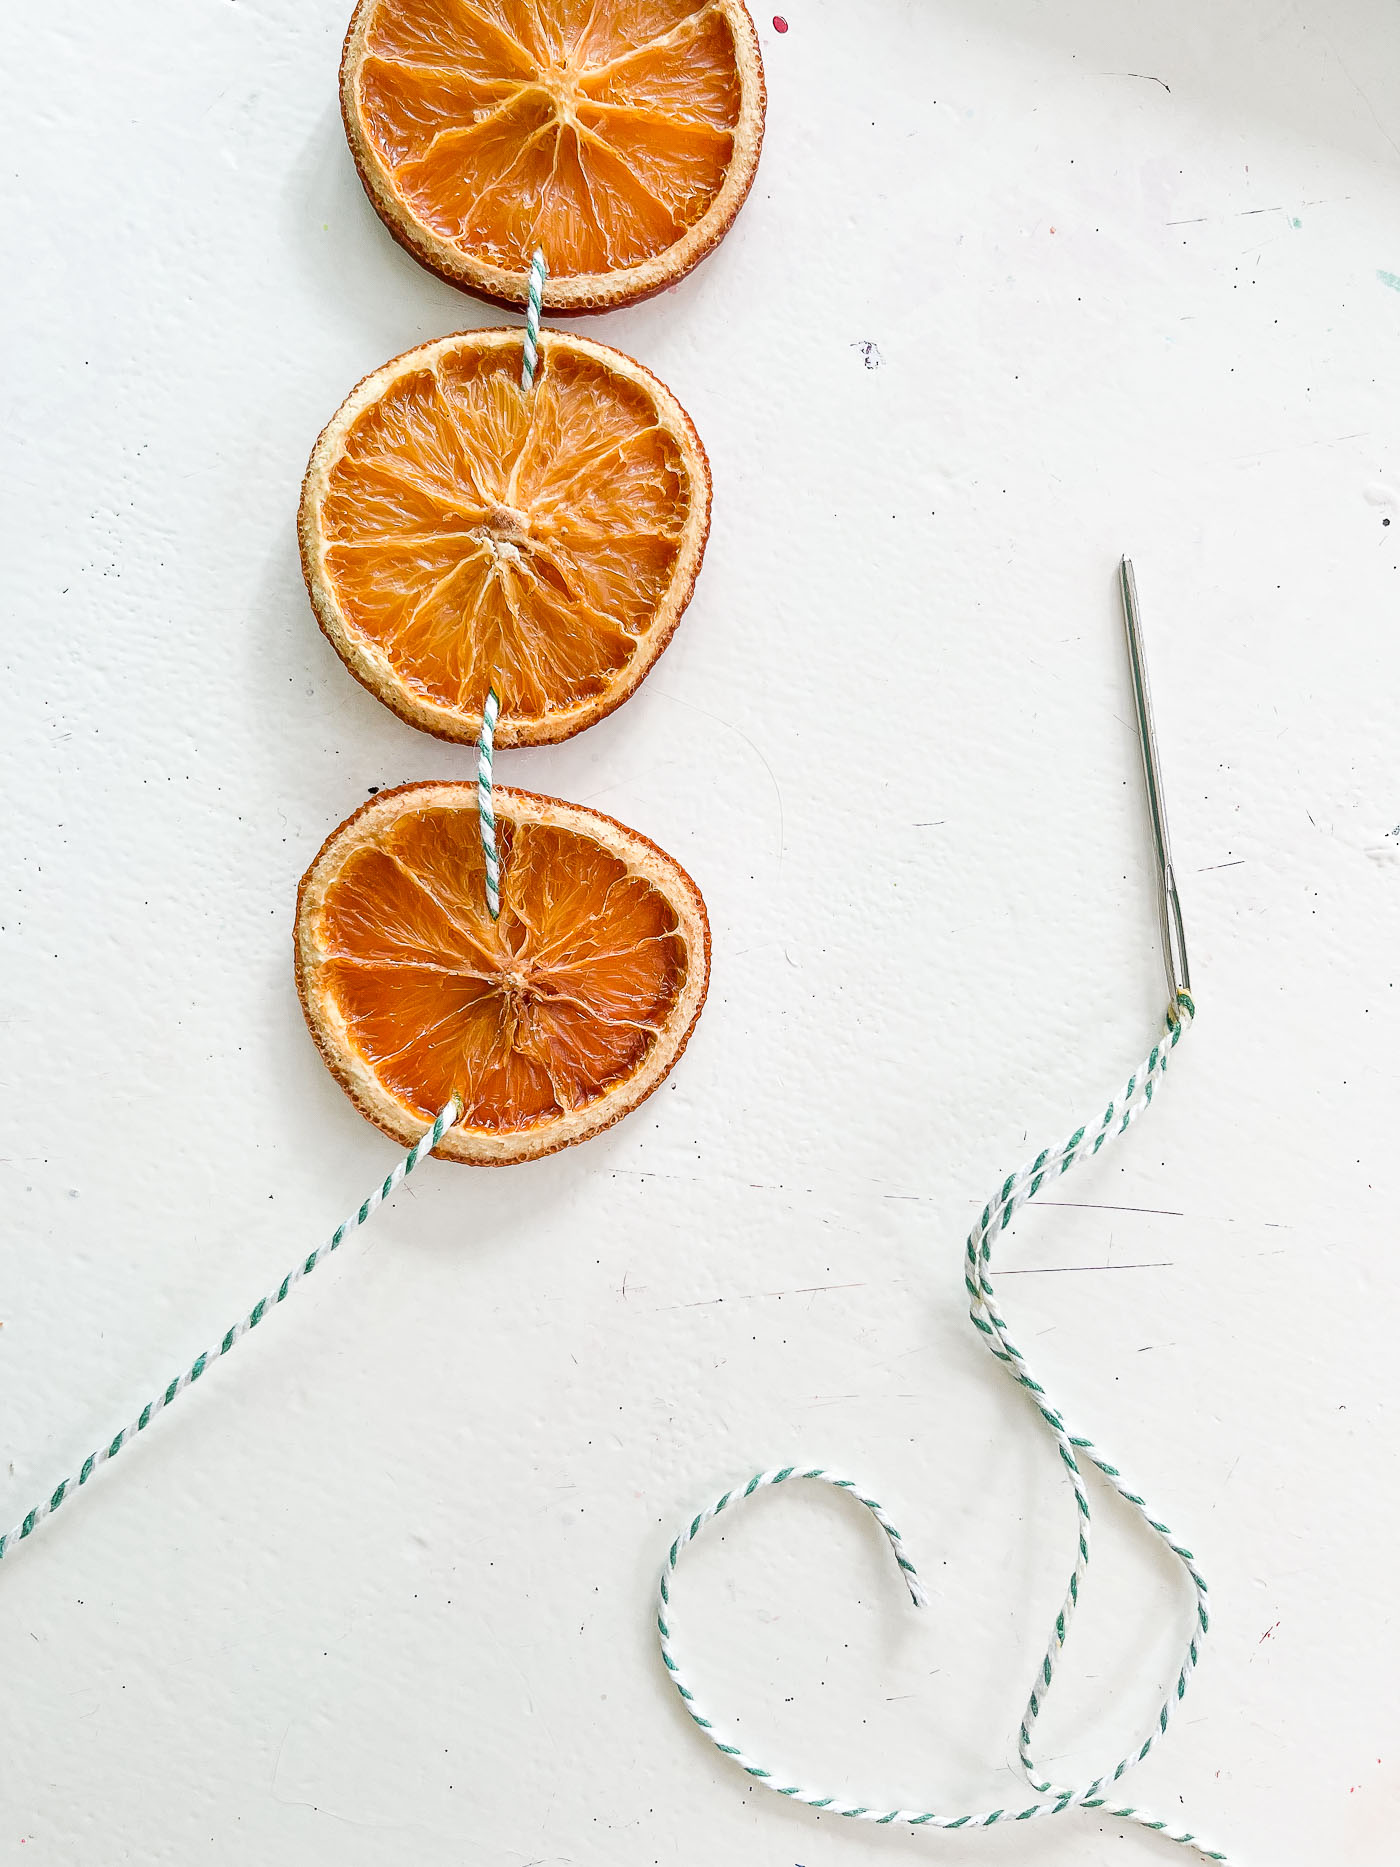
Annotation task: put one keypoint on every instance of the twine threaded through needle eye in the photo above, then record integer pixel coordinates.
(534, 304)
(987, 1318)
(421, 1148)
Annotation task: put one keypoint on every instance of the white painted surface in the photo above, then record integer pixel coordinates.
(379, 1590)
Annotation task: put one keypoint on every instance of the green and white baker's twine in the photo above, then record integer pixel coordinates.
(1052, 1798)
(490, 713)
(534, 304)
(486, 814)
(422, 1147)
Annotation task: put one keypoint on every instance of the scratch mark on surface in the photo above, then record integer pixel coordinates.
(1145, 76)
(757, 751)
(1089, 1205)
(641, 1173)
(1057, 1270)
(1298, 447)
(1212, 866)
(760, 1296)
(1243, 213)
(1342, 64)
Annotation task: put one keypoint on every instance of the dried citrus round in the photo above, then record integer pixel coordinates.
(619, 135)
(458, 531)
(548, 1024)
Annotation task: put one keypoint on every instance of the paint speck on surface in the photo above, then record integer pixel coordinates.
(779, 23)
(1380, 495)
(1392, 279)
(870, 352)
(1296, 222)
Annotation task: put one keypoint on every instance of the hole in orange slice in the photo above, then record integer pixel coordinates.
(548, 1024)
(620, 135)
(455, 529)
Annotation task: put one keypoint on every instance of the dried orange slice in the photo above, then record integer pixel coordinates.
(456, 528)
(548, 1024)
(620, 135)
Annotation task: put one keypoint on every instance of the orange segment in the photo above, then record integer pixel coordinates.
(548, 1024)
(620, 135)
(457, 532)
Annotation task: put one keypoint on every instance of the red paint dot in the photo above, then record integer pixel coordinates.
(779, 23)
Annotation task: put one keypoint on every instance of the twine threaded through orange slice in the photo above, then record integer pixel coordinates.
(454, 525)
(548, 1024)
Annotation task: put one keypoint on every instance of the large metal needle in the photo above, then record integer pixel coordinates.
(1168, 903)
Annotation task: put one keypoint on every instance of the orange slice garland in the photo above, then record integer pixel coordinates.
(619, 135)
(549, 1024)
(456, 529)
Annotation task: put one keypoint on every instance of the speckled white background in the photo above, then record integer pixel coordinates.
(380, 1589)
